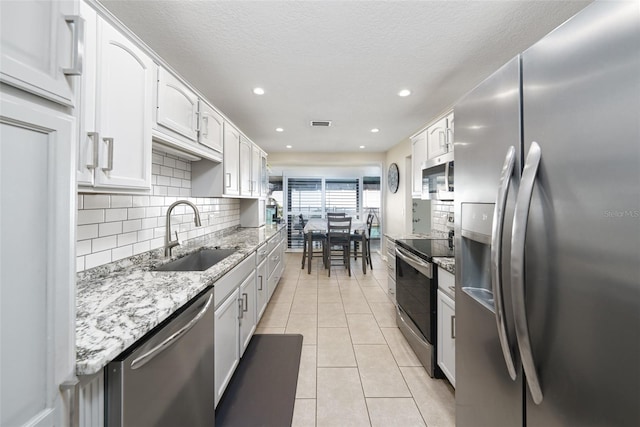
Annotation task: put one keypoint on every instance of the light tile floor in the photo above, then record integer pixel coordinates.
(356, 367)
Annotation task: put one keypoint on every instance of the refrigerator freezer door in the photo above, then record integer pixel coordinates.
(487, 125)
(581, 98)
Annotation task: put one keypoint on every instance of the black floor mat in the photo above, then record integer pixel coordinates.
(262, 391)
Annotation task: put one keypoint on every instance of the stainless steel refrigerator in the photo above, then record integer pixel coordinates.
(547, 209)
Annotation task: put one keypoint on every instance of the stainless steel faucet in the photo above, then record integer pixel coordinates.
(168, 243)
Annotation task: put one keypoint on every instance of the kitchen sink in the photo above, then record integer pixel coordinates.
(197, 261)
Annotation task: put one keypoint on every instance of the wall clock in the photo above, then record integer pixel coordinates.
(393, 177)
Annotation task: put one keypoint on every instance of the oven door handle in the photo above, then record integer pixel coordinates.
(425, 268)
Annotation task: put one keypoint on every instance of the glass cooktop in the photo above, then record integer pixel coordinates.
(427, 248)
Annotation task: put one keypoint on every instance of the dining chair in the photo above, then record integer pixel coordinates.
(370, 218)
(315, 236)
(338, 242)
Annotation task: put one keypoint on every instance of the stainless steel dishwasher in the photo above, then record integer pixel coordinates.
(167, 379)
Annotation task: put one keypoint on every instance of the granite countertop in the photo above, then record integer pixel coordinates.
(447, 263)
(118, 303)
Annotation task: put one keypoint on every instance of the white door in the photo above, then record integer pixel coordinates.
(227, 333)
(245, 167)
(437, 138)
(41, 47)
(418, 155)
(447, 337)
(211, 127)
(248, 311)
(450, 131)
(231, 160)
(177, 105)
(124, 105)
(37, 264)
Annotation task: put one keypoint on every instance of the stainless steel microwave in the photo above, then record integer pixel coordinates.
(437, 178)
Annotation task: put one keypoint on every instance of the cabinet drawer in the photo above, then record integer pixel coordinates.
(446, 282)
(261, 253)
(230, 281)
(274, 258)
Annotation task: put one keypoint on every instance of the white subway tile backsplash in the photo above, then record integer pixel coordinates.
(84, 232)
(116, 226)
(115, 214)
(121, 252)
(127, 239)
(121, 201)
(97, 258)
(103, 243)
(109, 228)
(90, 216)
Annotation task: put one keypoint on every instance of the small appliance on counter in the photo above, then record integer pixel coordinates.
(416, 287)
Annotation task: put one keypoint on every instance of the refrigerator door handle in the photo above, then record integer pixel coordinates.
(496, 256)
(519, 231)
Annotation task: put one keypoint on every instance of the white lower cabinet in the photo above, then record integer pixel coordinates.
(391, 268)
(247, 311)
(446, 328)
(227, 336)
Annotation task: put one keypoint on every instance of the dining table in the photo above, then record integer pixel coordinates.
(320, 225)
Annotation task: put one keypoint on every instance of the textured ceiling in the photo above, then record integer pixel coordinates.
(343, 61)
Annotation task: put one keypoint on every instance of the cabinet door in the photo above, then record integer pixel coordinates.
(211, 127)
(255, 171)
(227, 333)
(437, 139)
(446, 336)
(261, 289)
(37, 348)
(248, 311)
(41, 47)
(450, 126)
(418, 155)
(124, 101)
(264, 175)
(85, 111)
(177, 105)
(245, 167)
(231, 160)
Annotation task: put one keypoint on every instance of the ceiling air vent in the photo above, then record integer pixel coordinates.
(320, 123)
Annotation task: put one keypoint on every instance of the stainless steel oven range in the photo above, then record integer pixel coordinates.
(416, 287)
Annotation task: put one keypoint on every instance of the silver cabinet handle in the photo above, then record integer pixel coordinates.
(139, 362)
(519, 232)
(228, 179)
(197, 121)
(77, 24)
(72, 387)
(449, 143)
(496, 256)
(453, 327)
(260, 287)
(240, 310)
(245, 299)
(205, 126)
(110, 155)
(95, 138)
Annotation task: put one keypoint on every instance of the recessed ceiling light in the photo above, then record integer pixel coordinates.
(258, 91)
(279, 130)
(375, 130)
(404, 92)
(288, 146)
(362, 146)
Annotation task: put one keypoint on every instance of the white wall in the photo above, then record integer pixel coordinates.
(397, 206)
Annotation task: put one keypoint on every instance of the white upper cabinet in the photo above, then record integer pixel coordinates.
(41, 47)
(450, 125)
(211, 127)
(255, 170)
(114, 110)
(231, 160)
(123, 111)
(437, 139)
(418, 155)
(177, 106)
(245, 167)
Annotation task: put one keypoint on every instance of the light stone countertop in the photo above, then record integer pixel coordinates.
(118, 303)
(447, 263)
